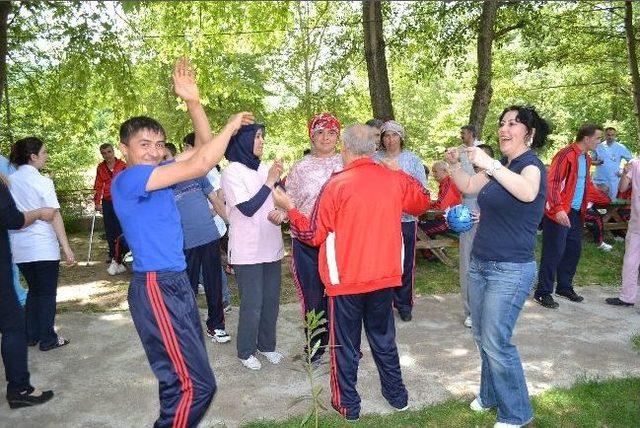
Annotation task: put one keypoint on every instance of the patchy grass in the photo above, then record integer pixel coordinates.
(91, 289)
(592, 403)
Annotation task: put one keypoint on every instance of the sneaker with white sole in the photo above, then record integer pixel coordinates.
(505, 425)
(273, 357)
(219, 335)
(120, 268)
(113, 268)
(467, 322)
(605, 247)
(252, 363)
(476, 406)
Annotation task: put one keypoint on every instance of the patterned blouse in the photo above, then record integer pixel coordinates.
(410, 163)
(306, 178)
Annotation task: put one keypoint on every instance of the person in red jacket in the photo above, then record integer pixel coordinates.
(448, 196)
(356, 223)
(105, 173)
(569, 188)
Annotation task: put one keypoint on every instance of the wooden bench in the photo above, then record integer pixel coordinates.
(612, 219)
(437, 244)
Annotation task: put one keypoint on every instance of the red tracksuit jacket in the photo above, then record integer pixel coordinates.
(102, 185)
(561, 183)
(357, 224)
(448, 195)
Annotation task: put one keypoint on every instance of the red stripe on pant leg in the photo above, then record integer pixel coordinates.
(180, 419)
(117, 252)
(296, 281)
(187, 387)
(163, 326)
(171, 344)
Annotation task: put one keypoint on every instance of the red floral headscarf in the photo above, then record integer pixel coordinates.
(324, 121)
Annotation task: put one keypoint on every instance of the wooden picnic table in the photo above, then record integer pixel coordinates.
(612, 219)
(437, 244)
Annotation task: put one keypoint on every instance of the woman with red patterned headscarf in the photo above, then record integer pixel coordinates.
(304, 182)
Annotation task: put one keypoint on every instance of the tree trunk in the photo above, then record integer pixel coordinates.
(5, 7)
(484, 91)
(379, 89)
(633, 60)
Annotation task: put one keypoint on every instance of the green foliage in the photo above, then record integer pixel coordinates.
(76, 70)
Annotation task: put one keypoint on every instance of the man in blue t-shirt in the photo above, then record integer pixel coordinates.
(162, 304)
(607, 157)
(201, 244)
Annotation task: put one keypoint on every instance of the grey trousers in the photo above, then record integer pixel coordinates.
(466, 243)
(259, 287)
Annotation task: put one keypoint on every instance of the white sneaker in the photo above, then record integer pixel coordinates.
(219, 335)
(113, 268)
(505, 425)
(128, 258)
(618, 238)
(273, 357)
(120, 268)
(476, 406)
(467, 322)
(605, 247)
(401, 409)
(252, 363)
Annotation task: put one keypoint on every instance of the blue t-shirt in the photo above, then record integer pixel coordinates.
(507, 228)
(150, 221)
(198, 225)
(578, 194)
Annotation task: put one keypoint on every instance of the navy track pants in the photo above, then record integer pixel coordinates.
(304, 267)
(346, 317)
(165, 315)
(403, 296)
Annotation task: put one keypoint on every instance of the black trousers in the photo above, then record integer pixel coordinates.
(14, 337)
(42, 277)
(111, 227)
(206, 259)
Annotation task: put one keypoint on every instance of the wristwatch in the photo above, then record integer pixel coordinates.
(496, 165)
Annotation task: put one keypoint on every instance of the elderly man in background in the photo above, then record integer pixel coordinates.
(360, 262)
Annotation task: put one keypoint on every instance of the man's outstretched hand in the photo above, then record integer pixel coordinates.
(184, 81)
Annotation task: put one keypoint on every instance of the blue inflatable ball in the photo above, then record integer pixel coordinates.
(459, 218)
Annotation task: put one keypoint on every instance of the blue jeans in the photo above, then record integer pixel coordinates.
(497, 292)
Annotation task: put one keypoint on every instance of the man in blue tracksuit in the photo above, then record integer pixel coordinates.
(161, 301)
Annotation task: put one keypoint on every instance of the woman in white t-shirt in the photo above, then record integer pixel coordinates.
(36, 249)
(255, 244)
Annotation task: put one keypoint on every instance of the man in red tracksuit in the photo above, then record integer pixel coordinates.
(105, 173)
(569, 188)
(356, 223)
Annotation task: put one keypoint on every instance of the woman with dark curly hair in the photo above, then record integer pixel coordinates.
(511, 196)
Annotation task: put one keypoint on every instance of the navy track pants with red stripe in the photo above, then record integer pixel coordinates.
(346, 317)
(304, 267)
(164, 312)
